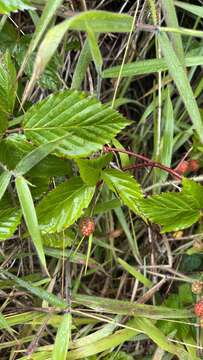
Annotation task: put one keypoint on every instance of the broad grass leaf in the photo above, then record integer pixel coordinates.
(194, 9)
(97, 21)
(145, 67)
(173, 211)
(84, 60)
(94, 49)
(62, 338)
(42, 24)
(147, 327)
(35, 156)
(19, 147)
(112, 306)
(64, 205)
(172, 21)
(180, 79)
(4, 181)
(85, 123)
(6, 6)
(10, 218)
(125, 187)
(166, 145)
(30, 216)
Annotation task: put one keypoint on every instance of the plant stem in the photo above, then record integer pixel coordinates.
(147, 162)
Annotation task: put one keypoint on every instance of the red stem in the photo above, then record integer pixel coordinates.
(147, 161)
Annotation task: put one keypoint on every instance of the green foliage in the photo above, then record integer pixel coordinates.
(125, 187)
(64, 205)
(10, 218)
(90, 170)
(81, 122)
(54, 169)
(182, 83)
(6, 6)
(59, 240)
(62, 338)
(175, 211)
(30, 217)
(8, 88)
(4, 181)
(19, 147)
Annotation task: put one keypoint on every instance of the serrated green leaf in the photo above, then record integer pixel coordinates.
(182, 83)
(86, 123)
(90, 170)
(30, 217)
(59, 240)
(10, 218)
(4, 181)
(173, 211)
(64, 205)
(6, 6)
(193, 189)
(8, 88)
(125, 187)
(62, 338)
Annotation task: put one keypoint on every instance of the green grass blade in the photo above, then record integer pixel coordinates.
(37, 291)
(146, 326)
(194, 9)
(180, 78)
(4, 181)
(98, 21)
(95, 51)
(62, 338)
(81, 67)
(47, 14)
(35, 156)
(143, 67)
(30, 216)
(172, 21)
(137, 274)
(166, 146)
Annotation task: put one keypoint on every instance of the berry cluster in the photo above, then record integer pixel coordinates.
(187, 166)
(197, 288)
(87, 226)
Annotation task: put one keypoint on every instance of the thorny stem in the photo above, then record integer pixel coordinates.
(147, 162)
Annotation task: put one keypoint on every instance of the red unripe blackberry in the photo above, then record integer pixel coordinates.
(199, 308)
(87, 226)
(182, 168)
(193, 165)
